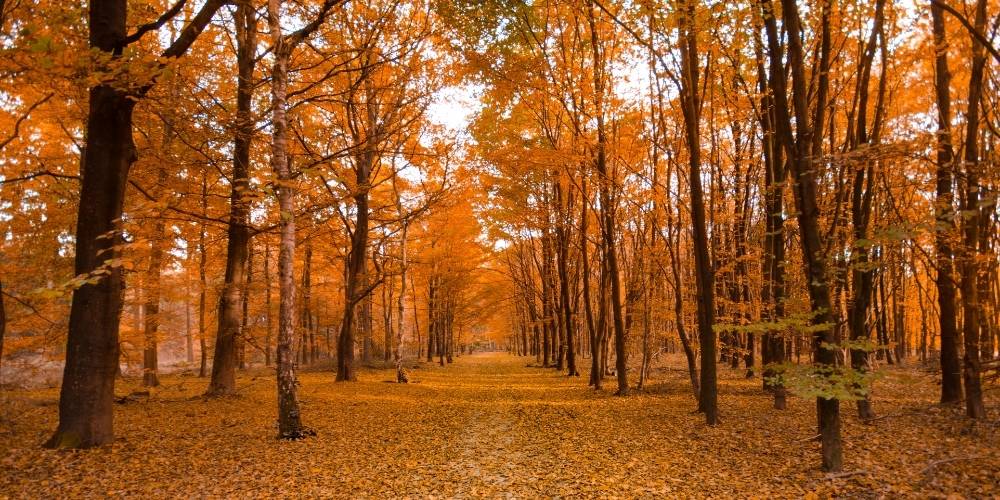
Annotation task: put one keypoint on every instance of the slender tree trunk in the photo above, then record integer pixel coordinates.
(704, 278)
(951, 381)
(202, 283)
(804, 178)
(862, 194)
(224, 363)
(3, 329)
(151, 309)
(974, 406)
(267, 304)
(607, 209)
(401, 376)
(289, 418)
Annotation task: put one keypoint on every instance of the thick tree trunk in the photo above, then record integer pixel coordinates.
(223, 380)
(87, 394)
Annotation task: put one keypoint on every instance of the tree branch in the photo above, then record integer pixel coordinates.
(297, 37)
(155, 25)
(20, 120)
(969, 27)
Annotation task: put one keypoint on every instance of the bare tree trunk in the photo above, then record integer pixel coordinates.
(804, 176)
(188, 334)
(267, 304)
(401, 376)
(3, 329)
(353, 293)
(87, 393)
(289, 418)
(245, 334)
(151, 309)
(305, 310)
(607, 209)
(773, 289)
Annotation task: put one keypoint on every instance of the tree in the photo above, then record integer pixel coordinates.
(86, 396)
(224, 362)
(289, 419)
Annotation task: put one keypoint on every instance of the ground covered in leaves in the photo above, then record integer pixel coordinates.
(491, 426)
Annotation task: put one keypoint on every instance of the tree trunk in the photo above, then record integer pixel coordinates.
(951, 382)
(355, 269)
(974, 406)
(704, 278)
(804, 178)
(289, 418)
(3, 330)
(151, 308)
(87, 394)
(224, 363)
(267, 304)
(401, 376)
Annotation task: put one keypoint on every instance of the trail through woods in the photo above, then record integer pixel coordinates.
(491, 426)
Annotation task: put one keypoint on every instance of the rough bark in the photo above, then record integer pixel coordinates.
(951, 381)
(224, 362)
(974, 406)
(87, 393)
(704, 276)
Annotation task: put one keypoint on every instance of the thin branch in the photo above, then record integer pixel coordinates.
(42, 173)
(969, 27)
(22, 118)
(155, 25)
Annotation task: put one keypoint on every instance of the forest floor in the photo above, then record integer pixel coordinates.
(490, 426)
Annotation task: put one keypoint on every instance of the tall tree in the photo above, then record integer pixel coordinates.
(704, 278)
(951, 381)
(86, 418)
(224, 362)
(289, 418)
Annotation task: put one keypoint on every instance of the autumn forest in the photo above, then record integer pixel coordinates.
(528, 248)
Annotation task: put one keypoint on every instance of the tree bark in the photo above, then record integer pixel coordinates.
(223, 380)
(87, 393)
(804, 177)
(974, 406)
(951, 381)
(704, 276)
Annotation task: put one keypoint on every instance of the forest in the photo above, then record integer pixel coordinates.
(495, 248)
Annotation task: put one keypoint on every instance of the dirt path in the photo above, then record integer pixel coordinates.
(487, 426)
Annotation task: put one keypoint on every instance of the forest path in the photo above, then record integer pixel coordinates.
(489, 425)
